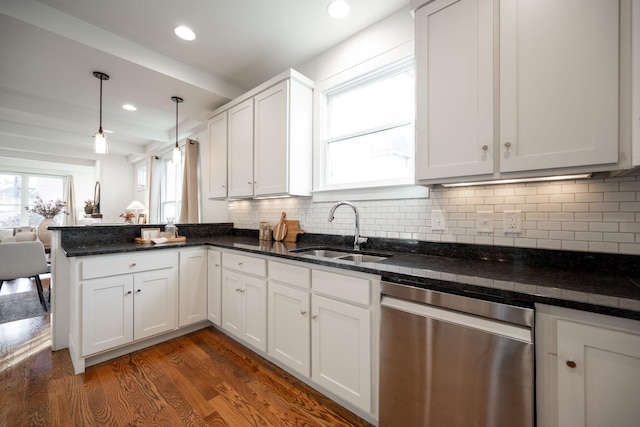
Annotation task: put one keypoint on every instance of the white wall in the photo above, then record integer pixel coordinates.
(117, 188)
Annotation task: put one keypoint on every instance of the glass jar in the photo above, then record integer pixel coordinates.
(170, 230)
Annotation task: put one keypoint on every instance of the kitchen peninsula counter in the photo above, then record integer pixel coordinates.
(602, 283)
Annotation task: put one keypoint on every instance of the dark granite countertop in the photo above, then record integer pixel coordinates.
(602, 283)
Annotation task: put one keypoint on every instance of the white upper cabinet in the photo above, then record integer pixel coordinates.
(454, 59)
(241, 150)
(218, 156)
(521, 88)
(559, 66)
(282, 144)
(269, 141)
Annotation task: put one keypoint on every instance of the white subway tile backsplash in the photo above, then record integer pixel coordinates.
(601, 215)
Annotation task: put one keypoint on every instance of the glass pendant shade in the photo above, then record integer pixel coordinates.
(100, 143)
(176, 154)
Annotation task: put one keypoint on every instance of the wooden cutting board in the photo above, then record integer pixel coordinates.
(280, 229)
(293, 229)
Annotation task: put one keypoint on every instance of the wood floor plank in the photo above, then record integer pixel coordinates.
(201, 379)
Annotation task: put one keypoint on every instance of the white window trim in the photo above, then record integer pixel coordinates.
(331, 84)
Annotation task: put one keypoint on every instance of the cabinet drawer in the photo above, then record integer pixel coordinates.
(245, 264)
(347, 288)
(294, 275)
(113, 265)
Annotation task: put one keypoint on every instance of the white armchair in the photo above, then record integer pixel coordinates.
(24, 259)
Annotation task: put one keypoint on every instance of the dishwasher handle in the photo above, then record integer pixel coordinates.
(495, 327)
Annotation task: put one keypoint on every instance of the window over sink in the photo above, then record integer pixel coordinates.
(365, 136)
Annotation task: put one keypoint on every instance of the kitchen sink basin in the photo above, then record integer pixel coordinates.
(356, 257)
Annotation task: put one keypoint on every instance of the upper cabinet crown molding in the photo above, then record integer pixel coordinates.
(519, 89)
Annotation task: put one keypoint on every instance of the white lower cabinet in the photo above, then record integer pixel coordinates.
(244, 298)
(120, 309)
(289, 331)
(588, 369)
(214, 285)
(341, 336)
(193, 286)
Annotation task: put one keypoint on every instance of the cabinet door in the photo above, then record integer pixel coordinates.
(289, 335)
(240, 148)
(218, 157)
(271, 160)
(454, 84)
(559, 65)
(107, 313)
(254, 327)
(193, 286)
(214, 291)
(232, 302)
(602, 385)
(341, 350)
(154, 308)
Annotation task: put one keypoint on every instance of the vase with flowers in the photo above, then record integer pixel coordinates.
(48, 210)
(88, 207)
(128, 217)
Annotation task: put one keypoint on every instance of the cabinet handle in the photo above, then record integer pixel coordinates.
(249, 182)
(314, 317)
(223, 186)
(485, 147)
(128, 293)
(507, 144)
(237, 289)
(303, 312)
(239, 264)
(139, 290)
(133, 264)
(216, 265)
(571, 364)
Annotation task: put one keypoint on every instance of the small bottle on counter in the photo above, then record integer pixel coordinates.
(263, 230)
(170, 230)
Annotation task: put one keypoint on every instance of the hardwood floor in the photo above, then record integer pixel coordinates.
(204, 378)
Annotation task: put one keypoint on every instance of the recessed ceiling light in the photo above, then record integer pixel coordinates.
(129, 107)
(338, 9)
(184, 33)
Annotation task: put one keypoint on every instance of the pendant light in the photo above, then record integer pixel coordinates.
(99, 139)
(176, 149)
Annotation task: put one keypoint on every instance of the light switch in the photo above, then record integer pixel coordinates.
(485, 222)
(438, 222)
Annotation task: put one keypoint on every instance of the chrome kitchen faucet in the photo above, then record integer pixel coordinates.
(357, 241)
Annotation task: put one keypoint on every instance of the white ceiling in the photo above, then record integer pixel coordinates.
(49, 98)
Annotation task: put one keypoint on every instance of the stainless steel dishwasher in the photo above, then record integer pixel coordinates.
(453, 361)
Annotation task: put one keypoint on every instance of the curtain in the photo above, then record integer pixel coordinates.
(71, 218)
(189, 208)
(155, 189)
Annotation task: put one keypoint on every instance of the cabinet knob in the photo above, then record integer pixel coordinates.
(314, 317)
(216, 265)
(571, 364)
(507, 144)
(223, 186)
(133, 264)
(139, 290)
(237, 289)
(249, 182)
(239, 264)
(303, 312)
(129, 293)
(485, 147)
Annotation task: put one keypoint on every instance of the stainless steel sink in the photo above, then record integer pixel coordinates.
(363, 258)
(341, 255)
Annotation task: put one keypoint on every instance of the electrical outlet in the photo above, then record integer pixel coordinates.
(513, 221)
(485, 222)
(438, 222)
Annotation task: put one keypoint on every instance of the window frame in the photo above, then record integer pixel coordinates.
(24, 193)
(384, 65)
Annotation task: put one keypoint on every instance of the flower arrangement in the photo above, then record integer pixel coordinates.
(88, 203)
(127, 215)
(48, 209)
